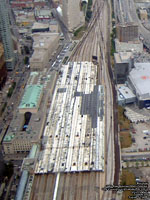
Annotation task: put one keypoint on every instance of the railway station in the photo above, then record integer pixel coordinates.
(73, 139)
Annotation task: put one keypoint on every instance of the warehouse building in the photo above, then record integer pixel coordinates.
(73, 139)
(27, 126)
(139, 82)
(44, 45)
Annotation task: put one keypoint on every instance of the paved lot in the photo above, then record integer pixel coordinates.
(140, 143)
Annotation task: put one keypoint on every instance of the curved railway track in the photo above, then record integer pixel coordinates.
(93, 43)
(88, 185)
(87, 44)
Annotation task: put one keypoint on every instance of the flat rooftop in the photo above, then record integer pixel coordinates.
(38, 25)
(73, 139)
(122, 57)
(38, 55)
(133, 46)
(140, 78)
(44, 12)
(125, 91)
(43, 40)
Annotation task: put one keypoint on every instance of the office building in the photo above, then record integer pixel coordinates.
(44, 46)
(123, 64)
(127, 32)
(6, 36)
(72, 17)
(3, 72)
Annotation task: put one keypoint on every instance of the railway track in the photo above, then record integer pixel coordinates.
(84, 49)
(72, 186)
(95, 31)
(86, 185)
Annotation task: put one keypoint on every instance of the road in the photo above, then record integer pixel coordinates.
(125, 11)
(138, 155)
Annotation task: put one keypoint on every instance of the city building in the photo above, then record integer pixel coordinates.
(139, 82)
(72, 15)
(134, 46)
(42, 14)
(123, 64)
(24, 18)
(73, 138)
(40, 27)
(27, 4)
(28, 123)
(3, 71)
(127, 32)
(143, 15)
(44, 46)
(26, 179)
(125, 95)
(52, 27)
(31, 99)
(6, 36)
(39, 3)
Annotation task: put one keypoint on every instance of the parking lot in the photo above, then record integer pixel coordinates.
(61, 56)
(141, 135)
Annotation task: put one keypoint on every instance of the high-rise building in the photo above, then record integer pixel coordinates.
(6, 36)
(3, 72)
(73, 16)
(127, 32)
(123, 65)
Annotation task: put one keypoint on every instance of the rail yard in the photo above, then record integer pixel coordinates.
(86, 184)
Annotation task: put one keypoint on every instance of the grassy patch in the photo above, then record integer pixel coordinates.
(125, 139)
(123, 121)
(89, 12)
(113, 36)
(127, 178)
(3, 108)
(79, 32)
(65, 60)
